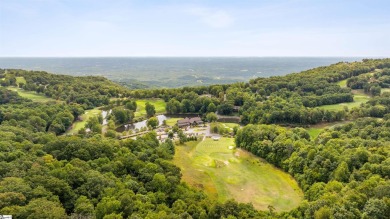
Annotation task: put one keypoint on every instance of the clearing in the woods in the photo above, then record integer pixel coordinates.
(159, 105)
(76, 126)
(315, 130)
(32, 95)
(225, 172)
(385, 90)
(359, 97)
(171, 121)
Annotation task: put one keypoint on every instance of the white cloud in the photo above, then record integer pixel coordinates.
(213, 18)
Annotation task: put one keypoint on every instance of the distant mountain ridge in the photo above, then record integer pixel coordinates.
(141, 73)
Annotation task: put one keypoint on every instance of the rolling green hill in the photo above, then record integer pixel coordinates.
(298, 152)
(225, 173)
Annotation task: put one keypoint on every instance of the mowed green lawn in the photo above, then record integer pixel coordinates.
(343, 83)
(20, 80)
(172, 121)
(225, 173)
(385, 90)
(229, 124)
(76, 126)
(34, 96)
(314, 132)
(159, 105)
(358, 99)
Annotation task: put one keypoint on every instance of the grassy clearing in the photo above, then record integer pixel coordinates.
(358, 98)
(385, 90)
(84, 118)
(314, 132)
(343, 83)
(229, 124)
(20, 80)
(159, 105)
(225, 173)
(172, 121)
(31, 95)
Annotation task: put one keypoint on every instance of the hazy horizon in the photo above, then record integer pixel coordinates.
(369, 57)
(172, 71)
(194, 28)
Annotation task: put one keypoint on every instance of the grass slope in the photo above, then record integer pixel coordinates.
(236, 174)
(20, 80)
(315, 130)
(359, 97)
(343, 83)
(84, 118)
(31, 95)
(159, 105)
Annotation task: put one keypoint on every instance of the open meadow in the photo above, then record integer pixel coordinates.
(342, 83)
(159, 105)
(224, 172)
(20, 80)
(32, 95)
(358, 98)
(171, 121)
(84, 118)
(315, 130)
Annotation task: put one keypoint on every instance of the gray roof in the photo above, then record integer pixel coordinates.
(189, 120)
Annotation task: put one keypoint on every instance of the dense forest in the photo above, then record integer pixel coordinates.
(344, 172)
(87, 91)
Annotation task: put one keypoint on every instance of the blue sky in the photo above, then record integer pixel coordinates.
(194, 28)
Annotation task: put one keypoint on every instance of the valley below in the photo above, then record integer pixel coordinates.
(313, 144)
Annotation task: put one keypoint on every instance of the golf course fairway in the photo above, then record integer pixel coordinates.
(224, 173)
